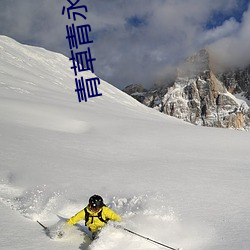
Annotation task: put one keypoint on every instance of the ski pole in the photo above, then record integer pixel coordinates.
(45, 228)
(146, 238)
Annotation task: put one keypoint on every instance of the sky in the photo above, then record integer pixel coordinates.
(136, 41)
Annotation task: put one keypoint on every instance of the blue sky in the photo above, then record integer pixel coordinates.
(136, 21)
(137, 41)
(218, 17)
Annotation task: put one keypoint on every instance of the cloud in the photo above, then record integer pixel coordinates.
(233, 49)
(228, 28)
(134, 41)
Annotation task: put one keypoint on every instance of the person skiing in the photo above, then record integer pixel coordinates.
(95, 214)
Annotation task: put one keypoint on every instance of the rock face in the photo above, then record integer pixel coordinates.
(137, 91)
(237, 81)
(201, 97)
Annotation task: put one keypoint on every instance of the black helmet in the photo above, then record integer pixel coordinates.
(96, 202)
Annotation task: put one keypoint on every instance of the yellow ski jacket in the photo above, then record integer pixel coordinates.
(94, 223)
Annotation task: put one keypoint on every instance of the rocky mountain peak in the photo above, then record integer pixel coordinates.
(196, 64)
(202, 97)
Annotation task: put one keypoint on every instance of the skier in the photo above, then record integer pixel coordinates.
(95, 214)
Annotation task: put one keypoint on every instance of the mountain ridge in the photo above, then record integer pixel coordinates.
(202, 96)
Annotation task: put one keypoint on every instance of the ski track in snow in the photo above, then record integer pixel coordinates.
(145, 214)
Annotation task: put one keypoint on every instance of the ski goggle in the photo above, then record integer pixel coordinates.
(94, 208)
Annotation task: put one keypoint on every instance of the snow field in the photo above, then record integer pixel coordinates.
(181, 185)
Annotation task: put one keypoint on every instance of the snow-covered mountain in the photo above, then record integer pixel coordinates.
(182, 185)
(202, 96)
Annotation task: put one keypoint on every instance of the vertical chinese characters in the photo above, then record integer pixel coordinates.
(81, 60)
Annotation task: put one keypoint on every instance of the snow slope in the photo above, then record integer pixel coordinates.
(176, 183)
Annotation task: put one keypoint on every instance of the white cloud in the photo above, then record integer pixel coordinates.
(171, 31)
(228, 28)
(233, 50)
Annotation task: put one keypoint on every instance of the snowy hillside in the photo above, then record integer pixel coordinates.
(179, 184)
